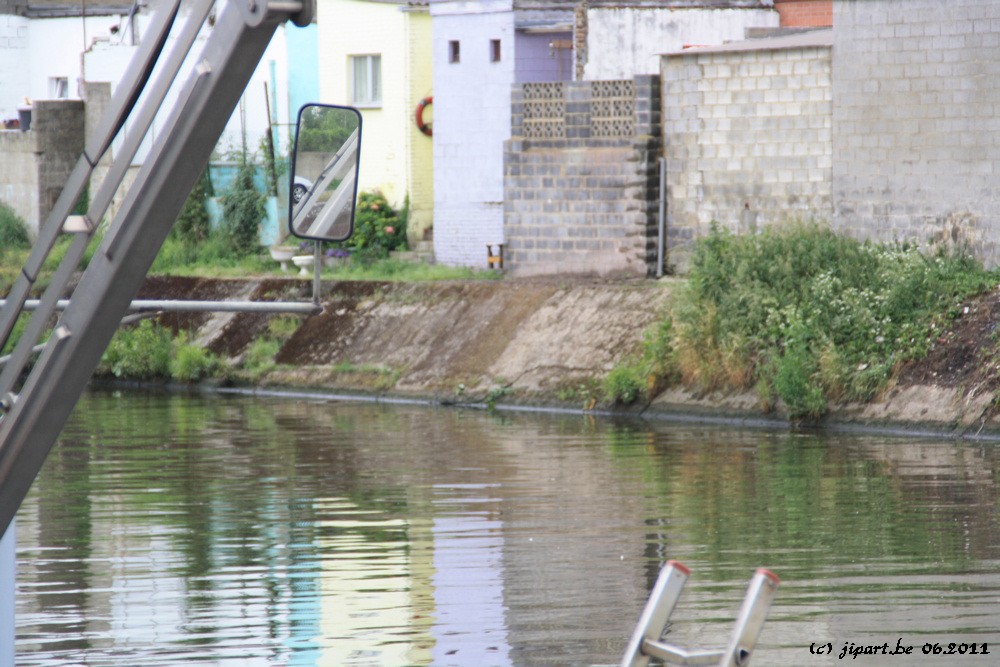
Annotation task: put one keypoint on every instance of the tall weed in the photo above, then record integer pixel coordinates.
(809, 316)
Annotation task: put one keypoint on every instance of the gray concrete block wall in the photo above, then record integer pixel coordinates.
(583, 203)
(19, 174)
(60, 128)
(917, 147)
(37, 163)
(747, 139)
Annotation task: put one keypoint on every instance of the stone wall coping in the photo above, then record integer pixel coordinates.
(801, 40)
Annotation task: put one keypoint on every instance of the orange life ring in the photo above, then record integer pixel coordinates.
(421, 125)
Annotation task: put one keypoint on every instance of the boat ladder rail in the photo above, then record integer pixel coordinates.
(646, 644)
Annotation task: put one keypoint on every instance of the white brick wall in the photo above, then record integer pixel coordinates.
(916, 151)
(471, 122)
(748, 140)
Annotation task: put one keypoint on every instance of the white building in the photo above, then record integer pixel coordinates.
(481, 49)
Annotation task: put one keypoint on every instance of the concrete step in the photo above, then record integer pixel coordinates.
(414, 256)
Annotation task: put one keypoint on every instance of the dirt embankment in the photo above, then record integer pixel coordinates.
(551, 342)
(453, 341)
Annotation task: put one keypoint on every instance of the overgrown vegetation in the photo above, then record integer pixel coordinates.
(378, 229)
(803, 315)
(192, 227)
(649, 371)
(259, 358)
(243, 211)
(141, 352)
(149, 351)
(192, 363)
(13, 231)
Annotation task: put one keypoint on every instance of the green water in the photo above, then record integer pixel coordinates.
(171, 530)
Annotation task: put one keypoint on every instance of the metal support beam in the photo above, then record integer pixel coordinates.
(750, 619)
(178, 306)
(655, 615)
(645, 642)
(114, 275)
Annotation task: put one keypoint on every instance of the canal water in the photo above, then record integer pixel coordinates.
(221, 530)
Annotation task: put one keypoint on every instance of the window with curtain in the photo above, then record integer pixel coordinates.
(366, 80)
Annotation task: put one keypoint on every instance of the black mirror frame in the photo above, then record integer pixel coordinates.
(291, 178)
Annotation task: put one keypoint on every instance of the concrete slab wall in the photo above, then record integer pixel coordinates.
(917, 140)
(624, 41)
(748, 140)
(37, 163)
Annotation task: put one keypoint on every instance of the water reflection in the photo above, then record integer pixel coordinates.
(168, 529)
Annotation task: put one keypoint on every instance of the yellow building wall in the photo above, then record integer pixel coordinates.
(396, 158)
(421, 149)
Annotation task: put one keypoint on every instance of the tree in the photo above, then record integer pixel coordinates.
(243, 210)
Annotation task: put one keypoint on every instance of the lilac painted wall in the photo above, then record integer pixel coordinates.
(537, 62)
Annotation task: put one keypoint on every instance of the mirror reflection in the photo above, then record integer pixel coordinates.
(325, 172)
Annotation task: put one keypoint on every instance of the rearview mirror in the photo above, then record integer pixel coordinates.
(324, 184)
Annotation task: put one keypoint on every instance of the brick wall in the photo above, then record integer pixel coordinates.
(580, 178)
(747, 132)
(917, 142)
(19, 174)
(37, 163)
(60, 127)
(471, 122)
(805, 13)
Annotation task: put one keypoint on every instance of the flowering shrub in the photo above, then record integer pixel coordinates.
(816, 315)
(377, 228)
(810, 317)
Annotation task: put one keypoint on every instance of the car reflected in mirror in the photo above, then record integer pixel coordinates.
(324, 180)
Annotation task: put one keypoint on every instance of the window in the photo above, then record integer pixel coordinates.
(59, 87)
(494, 50)
(454, 54)
(366, 80)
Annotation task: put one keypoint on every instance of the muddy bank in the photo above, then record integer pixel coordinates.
(549, 343)
(451, 341)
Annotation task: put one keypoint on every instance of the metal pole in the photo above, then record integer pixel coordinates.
(273, 167)
(52, 389)
(8, 581)
(751, 617)
(175, 306)
(655, 615)
(661, 238)
(317, 267)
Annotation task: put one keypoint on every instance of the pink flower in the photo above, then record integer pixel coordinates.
(389, 230)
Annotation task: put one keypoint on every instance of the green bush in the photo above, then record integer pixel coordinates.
(641, 376)
(624, 384)
(243, 210)
(13, 231)
(259, 359)
(140, 352)
(192, 363)
(192, 226)
(377, 228)
(816, 316)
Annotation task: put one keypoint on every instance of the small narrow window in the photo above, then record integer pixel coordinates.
(366, 80)
(495, 50)
(59, 87)
(454, 54)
